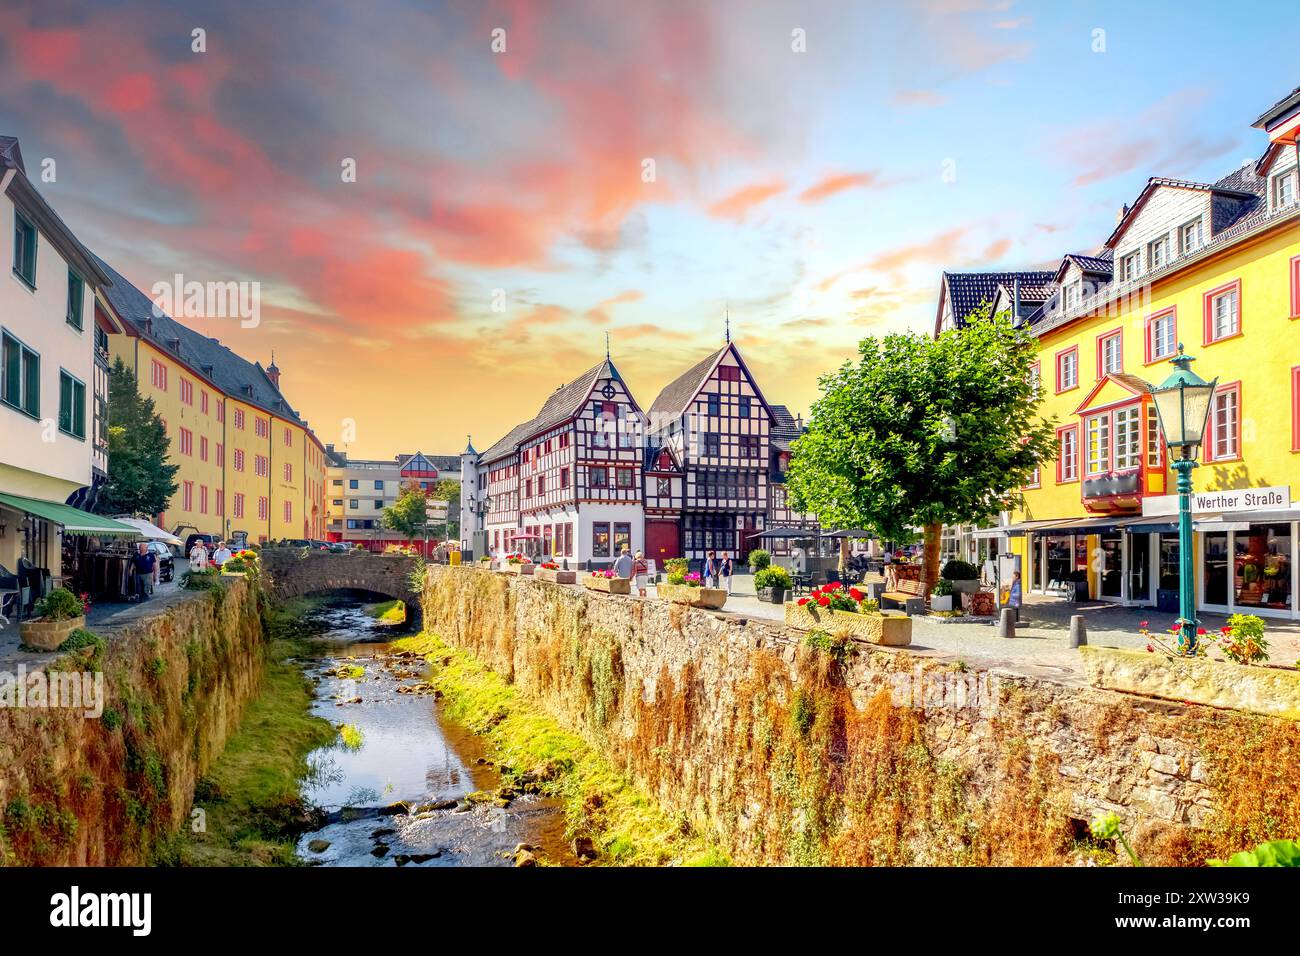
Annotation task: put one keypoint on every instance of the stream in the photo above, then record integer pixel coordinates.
(397, 787)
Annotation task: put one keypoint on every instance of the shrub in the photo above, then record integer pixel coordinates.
(759, 560)
(677, 564)
(942, 587)
(960, 571)
(1242, 639)
(60, 605)
(202, 580)
(82, 638)
(773, 577)
(1275, 853)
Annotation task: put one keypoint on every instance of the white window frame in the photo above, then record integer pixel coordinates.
(1158, 261)
(1225, 414)
(1185, 247)
(1127, 438)
(1168, 321)
(1112, 346)
(1282, 181)
(1133, 259)
(1216, 333)
(1100, 427)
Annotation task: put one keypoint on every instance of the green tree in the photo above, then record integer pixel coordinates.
(923, 432)
(448, 490)
(406, 515)
(140, 481)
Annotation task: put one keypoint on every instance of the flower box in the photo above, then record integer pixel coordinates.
(556, 576)
(519, 568)
(773, 595)
(233, 574)
(713, 598)
(965, 586)
(48, 635)
(893, 630)
(942, 602)
(1273, 691)
(607, 585)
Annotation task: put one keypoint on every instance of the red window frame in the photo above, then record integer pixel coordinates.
(1101, 341)
(1295, 287)
(1207, 307)
(1147, 329)
(1295, 408)
(1060, 355)
(1061, 479)
(1211, 439)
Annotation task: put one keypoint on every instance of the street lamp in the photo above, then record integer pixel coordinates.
(1182, 405)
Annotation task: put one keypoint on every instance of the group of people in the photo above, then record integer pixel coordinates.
(146, 564)
(199, 557)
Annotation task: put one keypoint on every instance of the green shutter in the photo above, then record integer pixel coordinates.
(32, 383)
(13, 372)
(65, 402)
(79, 410)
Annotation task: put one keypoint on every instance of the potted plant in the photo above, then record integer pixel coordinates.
(772, 584)
(519, 563)
(59, 613)
(839, 610)
(607, 582)
(962, 575)
(687, 587)
(550, 571)
(240, 564)
(759, 559)
(941, 598)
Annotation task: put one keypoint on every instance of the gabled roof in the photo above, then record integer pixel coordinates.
(207, 358)
(677, 394)
(1280, 111)
(11, 156)
(967, 291)
(785, 429)
(1158, 182)
(562, 404)
(1132, 383)
(1103, 265)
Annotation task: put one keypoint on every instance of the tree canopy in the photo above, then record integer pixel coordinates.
(140, 481)
(407, 515)
(923, 432)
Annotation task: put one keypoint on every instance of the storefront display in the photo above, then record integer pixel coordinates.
(1262, 567)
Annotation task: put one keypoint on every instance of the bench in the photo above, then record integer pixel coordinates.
(909, 594)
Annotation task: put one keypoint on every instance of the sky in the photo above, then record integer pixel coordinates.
(530, 176)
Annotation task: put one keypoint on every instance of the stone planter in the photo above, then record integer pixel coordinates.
(1259, 690)
(556, 576)
(608, 585)
(965, 587)
(773, 595)
(942, 602)
(893, 630)
(233, 574)
(48, 635)
(520, 568)
(712, 598)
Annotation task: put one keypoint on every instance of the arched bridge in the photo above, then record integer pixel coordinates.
(296, 572)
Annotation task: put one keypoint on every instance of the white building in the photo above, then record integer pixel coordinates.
(53, 374)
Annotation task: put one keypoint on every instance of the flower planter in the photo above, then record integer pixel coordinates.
(1260, 690)
(773, 595)
(556, 576)
(713, 598)
(233, 574)
(48, 635)
(965, 586)
(893, 630)
(942, 602)
(520, 568)
(608, 585)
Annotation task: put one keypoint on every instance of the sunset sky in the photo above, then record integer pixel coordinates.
(804, 191)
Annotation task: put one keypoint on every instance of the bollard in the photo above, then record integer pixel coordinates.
(1007, 622)
(1078, 631)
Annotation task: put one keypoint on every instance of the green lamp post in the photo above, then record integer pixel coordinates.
(1183, 406)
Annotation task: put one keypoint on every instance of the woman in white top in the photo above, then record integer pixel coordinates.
(198, 557)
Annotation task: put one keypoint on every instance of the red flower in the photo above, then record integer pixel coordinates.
(1144, 624)
(823, 600)
(856, 594)
(802, 601)
(1200, 632)
(1150, 649)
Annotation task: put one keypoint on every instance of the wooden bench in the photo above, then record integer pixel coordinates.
(909, 594)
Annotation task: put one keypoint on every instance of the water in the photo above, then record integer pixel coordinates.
(398, 748)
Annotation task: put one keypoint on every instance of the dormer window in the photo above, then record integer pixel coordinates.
(1130, 267)
(1284, 191)
(1073, 295)
(1190, 237)
(1158, 253)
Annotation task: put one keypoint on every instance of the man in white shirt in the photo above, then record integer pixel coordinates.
(221, 555)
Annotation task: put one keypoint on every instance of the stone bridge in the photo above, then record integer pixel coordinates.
(297, 572)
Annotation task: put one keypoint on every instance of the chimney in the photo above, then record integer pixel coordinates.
(1119, 216)
(273, 371)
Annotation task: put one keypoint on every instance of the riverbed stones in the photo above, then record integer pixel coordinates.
(380, 850)
(318, 846)
(382, 832)
(525, 858)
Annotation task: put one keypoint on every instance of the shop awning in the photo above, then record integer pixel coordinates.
(1022, 527)
(73, 520)
(781, 534)
(151, 532)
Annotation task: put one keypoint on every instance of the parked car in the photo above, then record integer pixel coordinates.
(166, 563)
(209, 542)
(339, 547)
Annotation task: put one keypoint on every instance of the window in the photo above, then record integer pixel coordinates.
(744, 406)
(220, 508)
(239, 505)
(1189, 237)
(625, 476)
(715, 404)
(1067, 368)
(749, 446)
(600, 539)
(187, 441)
(203, 401)
(261, 466)
(1295, 288)
(1222, 312)
(622, 536)
(1110, 353)
(1067, 458)
(664, 486)
(541, 484)
(1036, 479)
(158, 375)
(203, 448)
(72, 405)
(239, 459)
(353, 483)
(187, 391)
(262, 428)
(76, 299)
(288, 472)
(24, 250)
(1295, 408)
(1130, 267)
(263, 508)
(187, 496)
(203, 499)
(712, 445)
(729, 373)
(239, 419)
(1158, 253)
(1284, 189)
(564, 477)
(528, 487)
(1098, 432)
(354, 503)
(1128, 438)
(221, 455)
(288, 511)
(221, 412)
(288, 438)
(21, 373)
(1154, 455)
(1073, 296)
(598, 475)
(1224, 439)
(1162, 335)
(1036, 375)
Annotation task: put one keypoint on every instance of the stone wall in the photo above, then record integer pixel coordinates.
(110, 790)
(786, 755)
(298, 572)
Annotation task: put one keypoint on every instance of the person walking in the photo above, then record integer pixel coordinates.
(221, 555)
(198, 557)
(640, 571)
(724, 572)
(623, 564)
(146, 571)
(711, 570)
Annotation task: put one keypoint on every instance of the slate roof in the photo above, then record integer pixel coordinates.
(10, 155)
(967, 291)
(560, 405)
(784, 428)
(1282, 108)
(208, 358)
(677, 394)
(440, 463)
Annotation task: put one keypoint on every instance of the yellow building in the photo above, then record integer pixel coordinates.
(1214, 267)
(248, 461)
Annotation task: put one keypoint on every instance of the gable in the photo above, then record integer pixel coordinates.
(1112, 390)
(1160, 210)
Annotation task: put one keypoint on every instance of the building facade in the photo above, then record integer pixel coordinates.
(1215, 268)
(53, 364)
(248, 462)
(358, 490)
